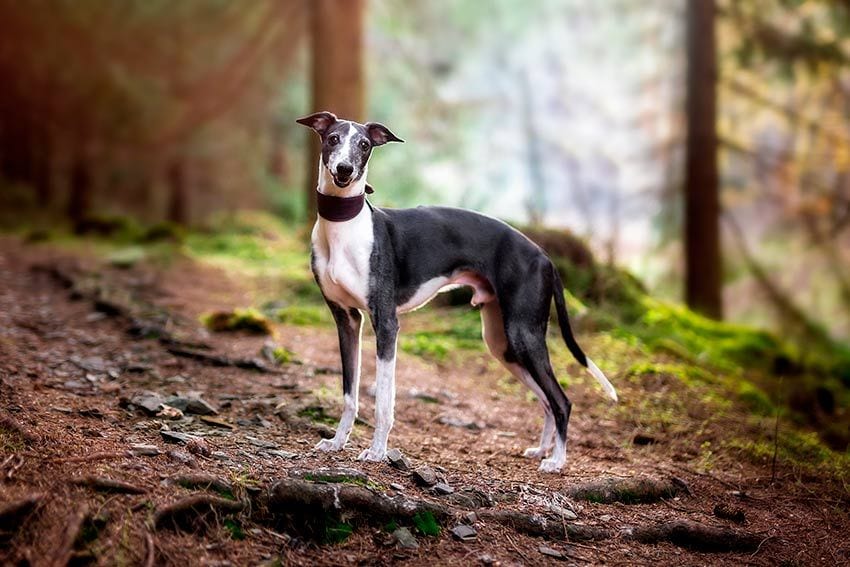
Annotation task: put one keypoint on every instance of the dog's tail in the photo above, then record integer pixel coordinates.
(567, 333)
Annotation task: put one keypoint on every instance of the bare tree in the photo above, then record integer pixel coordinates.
(703, 266)
(337, 69)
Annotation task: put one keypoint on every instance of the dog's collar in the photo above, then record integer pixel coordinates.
(339, 209)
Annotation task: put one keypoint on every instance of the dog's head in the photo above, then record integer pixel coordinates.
(346, 145)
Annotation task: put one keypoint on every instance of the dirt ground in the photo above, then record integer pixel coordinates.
(70, 368)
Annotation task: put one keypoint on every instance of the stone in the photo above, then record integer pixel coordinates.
(606, 518)
(464, 532)
(192, 404)
(470, 518)
(462, 422)
(486, 559)
(443, 489)
(177, 436)
(142, 450)
(168, 412)
(183, 458)
(405, 539)
(565, 513)
(396, 486)
(148, 402)
(549, 552)
(425, 476)
(398, 460)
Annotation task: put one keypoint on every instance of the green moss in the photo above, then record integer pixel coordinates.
(755, 399)
(337, 531)
(426, 523)
(304, 315)
(248, 320)
(317, 414)
(234, 528)
(803, 452)
(283, 355)
(688, 374)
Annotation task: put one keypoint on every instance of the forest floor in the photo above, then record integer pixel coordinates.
(89, 476)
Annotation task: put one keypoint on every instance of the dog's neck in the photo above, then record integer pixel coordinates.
(340, 204)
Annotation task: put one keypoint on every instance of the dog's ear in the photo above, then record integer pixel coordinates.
(319, 121)
(380, 134)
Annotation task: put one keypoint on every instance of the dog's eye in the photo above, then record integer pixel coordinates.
(364, 145)
(333, 140)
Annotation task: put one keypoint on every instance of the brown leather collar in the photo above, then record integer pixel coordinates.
(339, 209)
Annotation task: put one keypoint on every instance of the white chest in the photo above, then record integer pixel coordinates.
(341, 256)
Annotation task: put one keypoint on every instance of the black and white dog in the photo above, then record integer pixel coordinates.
(391, 261)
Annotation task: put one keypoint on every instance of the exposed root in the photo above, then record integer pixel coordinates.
(202, 482)
(106, 484)
(635, 490)
(13, 514)
(221, 360)
(191, 513)
(150, 550)
(63, 554)
(543, 526)
(12, 426)
(696, 536)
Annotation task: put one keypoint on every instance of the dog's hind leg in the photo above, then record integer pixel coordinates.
(349, 324)
(493, 332)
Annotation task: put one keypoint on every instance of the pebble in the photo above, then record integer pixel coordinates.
(176, 436)
(398, 460)
(183, 458)
(464, 532)
(148, 402)
(405, 539)
(425, 476)
(142, 450)
(396, 486)
(443, 488)
(470, 518)
(565, 513)
(549, 552)
(192, 404)
(605, 518)
(486, 559)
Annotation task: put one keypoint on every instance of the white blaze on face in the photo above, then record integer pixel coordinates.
(342, 153)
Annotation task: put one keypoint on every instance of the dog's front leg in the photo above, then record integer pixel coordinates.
(349, 324)
(385, 324)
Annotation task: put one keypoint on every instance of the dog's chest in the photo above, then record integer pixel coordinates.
(341, 259)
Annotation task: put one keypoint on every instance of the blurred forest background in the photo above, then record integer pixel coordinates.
(563, 113)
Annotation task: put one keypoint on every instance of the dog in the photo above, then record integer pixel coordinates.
(386, 262)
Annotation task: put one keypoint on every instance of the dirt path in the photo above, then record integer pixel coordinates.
(71, 375)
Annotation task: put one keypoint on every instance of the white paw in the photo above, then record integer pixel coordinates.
(534, 453)
(550, 465)
(329, 445)
(372, 455)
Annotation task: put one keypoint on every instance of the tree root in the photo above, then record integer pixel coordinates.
(544, 526)
(106, 484)
(636, 490)
(221, 360)
(13, 514)
(62, 556)
(695, 536)
(192, 512)
(202, 482)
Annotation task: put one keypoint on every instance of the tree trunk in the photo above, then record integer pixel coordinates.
(336, 27)
(703, 267)
(178, 201)
(79, 201)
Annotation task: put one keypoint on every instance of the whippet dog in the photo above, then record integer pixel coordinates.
(390, 261)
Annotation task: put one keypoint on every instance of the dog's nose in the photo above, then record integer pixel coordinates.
(344, 170)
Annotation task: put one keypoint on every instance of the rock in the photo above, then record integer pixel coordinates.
(443, 489)
(176, 436)
(486, 559)
(396, 486)
(183, 458)
(464, 532)
(470, 518)
(405, 539)
(279, 453)
(168, 412)
(454, 421)
(217, 422)
(142, 450)
(549, 552)
(192, 404)
(148, 402)
(606, 518)
(398, 460)
(565, 513)
(425, 476)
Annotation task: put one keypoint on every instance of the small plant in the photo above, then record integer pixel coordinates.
(426, 523)
(248, 320)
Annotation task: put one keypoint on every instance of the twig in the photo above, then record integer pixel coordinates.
(516, 547)
(776, 438)
(760, 544)
(150, 550)
(92, 457)
(108, 484)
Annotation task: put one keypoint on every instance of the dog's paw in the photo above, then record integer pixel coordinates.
(534, 453)
(550, 466)
(372, 455)
(329, 445)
